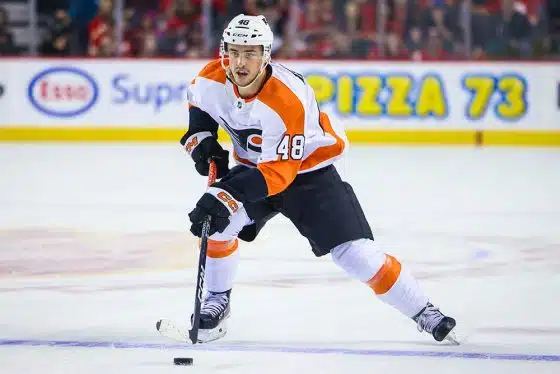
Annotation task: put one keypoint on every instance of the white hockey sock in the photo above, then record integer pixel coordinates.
(221, 265)
(223, 256)
(383, 273)
(405, 295)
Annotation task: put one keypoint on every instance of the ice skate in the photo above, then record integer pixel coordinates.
(214, 313)
(431, 320)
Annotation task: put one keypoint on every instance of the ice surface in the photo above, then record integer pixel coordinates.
(94, 249)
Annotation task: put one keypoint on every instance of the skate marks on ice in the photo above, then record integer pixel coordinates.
(473, 256)
(287, 348)
(55, 252)
(47, 252)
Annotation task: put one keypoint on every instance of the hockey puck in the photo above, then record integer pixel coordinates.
(183, 361)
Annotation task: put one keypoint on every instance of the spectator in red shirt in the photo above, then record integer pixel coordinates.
(361, 19)
(182, 13)
(313, 20)
(312, 30)
(100, 27)
(107, 45)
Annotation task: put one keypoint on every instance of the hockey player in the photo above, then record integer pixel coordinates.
(285, 148)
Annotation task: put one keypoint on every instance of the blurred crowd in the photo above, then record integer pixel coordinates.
(357, 29)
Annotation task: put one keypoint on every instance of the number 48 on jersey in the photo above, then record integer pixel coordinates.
(291, 147)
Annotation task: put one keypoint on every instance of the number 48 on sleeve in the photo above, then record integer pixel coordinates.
(291, 147)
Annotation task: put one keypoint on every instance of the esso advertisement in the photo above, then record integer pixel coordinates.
(63, 92)
(91, 93)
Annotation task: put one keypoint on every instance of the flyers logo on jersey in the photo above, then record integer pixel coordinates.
(248, 139)
(254, 142)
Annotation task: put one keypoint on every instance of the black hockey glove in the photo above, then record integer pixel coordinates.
(202, 147)
(219, 204)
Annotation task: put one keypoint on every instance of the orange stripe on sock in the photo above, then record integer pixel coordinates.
(219, 249)
(387, 276)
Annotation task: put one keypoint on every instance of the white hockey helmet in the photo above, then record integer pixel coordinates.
(248, 30)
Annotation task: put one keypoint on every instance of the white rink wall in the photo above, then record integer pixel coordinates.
(400, 102)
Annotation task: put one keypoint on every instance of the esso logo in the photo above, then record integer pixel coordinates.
(63, 92)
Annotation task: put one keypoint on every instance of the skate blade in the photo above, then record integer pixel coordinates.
(452, 338)
(459, 335)
(206, 336)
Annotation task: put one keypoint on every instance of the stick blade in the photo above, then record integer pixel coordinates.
(168, 329)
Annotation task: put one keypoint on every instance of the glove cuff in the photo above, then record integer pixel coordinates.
(194, 141)
(225, 197)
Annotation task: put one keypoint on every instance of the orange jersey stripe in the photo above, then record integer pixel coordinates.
(278, 174)
(387, 276)
(214, 71)
(324, 153)
(277, 96)
(218, 249)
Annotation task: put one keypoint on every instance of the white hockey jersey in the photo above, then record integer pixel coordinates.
(280, 131)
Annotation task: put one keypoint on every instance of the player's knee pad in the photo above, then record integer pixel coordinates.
(221, 249)
(361, 259)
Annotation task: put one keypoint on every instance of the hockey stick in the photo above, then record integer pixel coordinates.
(166, 327)
(193, 332)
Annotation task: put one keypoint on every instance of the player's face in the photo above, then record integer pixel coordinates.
(245, 62)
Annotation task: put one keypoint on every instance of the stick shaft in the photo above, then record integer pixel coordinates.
(193, 332)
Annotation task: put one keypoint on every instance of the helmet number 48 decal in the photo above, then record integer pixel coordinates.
(244, 22)
(291, 147)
